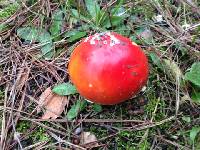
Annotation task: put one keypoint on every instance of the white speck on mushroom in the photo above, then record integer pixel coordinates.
(92, 41)
(123, 72)
(112, 43)
(105, 42)
(98, 37)
(95, 37)
(86, 39)
(134, 43)
(90, 85)
(113, 39)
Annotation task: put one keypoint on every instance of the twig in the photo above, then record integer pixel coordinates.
(173, 143)
(66, 142)
(35, 145)
(146, 126)
(90, 120)
(3, 128)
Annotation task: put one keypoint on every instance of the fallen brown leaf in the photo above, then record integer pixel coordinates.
(54, 104)
(44, 98)
(88, 139)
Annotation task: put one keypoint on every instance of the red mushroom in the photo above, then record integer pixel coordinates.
(108, 68)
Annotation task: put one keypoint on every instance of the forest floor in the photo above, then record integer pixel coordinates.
(36, 40)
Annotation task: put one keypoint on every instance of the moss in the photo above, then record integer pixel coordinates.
(39, 134)
(8, 10)
(150, 108)
(131, 140)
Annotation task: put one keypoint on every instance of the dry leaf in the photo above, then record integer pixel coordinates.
(44, 98)
(54, 104)
(88, 139)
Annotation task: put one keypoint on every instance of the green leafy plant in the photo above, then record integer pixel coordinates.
(75, 109)
(64, 89)
(193, 133)
(194, 74)
(98, 18)
(196, 96)
(156, 60)
(74, 35)
(40, 135)
(57, 20)
(33, 34)
(23, 126)
(186, 119)
(46, 38)
(97, 107)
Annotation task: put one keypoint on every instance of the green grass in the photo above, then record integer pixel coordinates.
(43, 38)
(8, 10)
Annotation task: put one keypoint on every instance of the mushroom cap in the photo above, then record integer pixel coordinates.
(108, 68)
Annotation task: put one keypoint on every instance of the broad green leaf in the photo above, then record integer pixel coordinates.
(186, 119)
(118, 11)
(70, 33)
(193, 133)
(46, 40)
(76, 36)
(117, 16)
(194, 74)
(97, 107)
(75, 109)
(57, 20)
(196, 97)
(38, 35)
(29, 33)
(156, 60)
(92, 7)
(114, 20)
(76, 14)
(47, 52)
(64, 89)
